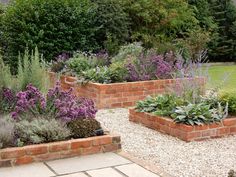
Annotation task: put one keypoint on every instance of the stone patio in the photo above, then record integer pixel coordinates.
(98, 165)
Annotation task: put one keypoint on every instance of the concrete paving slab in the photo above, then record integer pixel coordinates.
(32, 170)
(134, 170)
(86, 163)
(75, 175)
(105, 172)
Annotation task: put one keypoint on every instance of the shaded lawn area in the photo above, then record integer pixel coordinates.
(222, 75)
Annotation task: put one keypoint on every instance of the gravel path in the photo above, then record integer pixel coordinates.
(212, 158)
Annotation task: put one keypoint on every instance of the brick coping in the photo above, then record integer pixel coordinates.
(125, 94)
(73, 79)
(184, 132)
(14, 156)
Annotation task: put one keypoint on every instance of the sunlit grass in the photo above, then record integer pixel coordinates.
(223, 76)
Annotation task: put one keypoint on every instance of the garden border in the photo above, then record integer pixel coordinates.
(121, 95)
(57, 150)
(184, 132)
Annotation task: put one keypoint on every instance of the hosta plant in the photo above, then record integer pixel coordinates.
(198, 114)
(161, 105)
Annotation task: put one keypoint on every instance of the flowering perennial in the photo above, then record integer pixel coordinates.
(60, 104)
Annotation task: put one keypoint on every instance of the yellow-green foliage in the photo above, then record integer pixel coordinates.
(230, 98)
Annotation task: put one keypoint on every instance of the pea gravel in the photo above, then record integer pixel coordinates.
(211, 158)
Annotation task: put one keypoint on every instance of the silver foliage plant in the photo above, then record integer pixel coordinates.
(41, 130)
(6, 131)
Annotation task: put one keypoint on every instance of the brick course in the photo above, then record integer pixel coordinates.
(57, 150)
(121, 95)
(182, 131)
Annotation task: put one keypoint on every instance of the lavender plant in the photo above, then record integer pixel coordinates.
(149, 66)
(58, 104)
(7, 100)
(65, 106)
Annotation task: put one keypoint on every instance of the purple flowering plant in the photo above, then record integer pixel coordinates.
(67, 106)
(57, 104)
(152, 66)
(7, 100)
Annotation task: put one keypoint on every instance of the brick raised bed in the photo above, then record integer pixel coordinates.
(57, 150)
(120, 95)
(182, 131)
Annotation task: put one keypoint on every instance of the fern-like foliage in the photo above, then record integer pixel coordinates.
(32, 69)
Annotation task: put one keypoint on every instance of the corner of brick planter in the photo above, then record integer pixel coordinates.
(123, 95)
(58, 150)
(184, 132)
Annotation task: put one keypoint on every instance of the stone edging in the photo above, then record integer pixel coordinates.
(58, 150)
(182, 131)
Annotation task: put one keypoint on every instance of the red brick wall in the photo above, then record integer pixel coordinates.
(57, 150)
(182, 131)
(119, 95)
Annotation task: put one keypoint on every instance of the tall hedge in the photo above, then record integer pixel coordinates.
(158, 21)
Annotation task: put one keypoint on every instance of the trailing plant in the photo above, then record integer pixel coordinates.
(161, 105)
(6, 132)
(83, 128)
(41, 130)
(199, 114)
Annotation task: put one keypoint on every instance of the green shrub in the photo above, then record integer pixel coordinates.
(154, 22)
(80, 63)
(82, 128)
(41, 130)
(161, 105)
(199, 114)
(118, 71)
(230, 98)
(31, 69)
(6, 132)
(113, 24)
(130, 50)
(54, 26)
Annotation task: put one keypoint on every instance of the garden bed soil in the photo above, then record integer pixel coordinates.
(122, 95)
(57, 150)
(184, 132)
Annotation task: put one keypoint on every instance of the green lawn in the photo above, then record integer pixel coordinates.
(217, 75)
